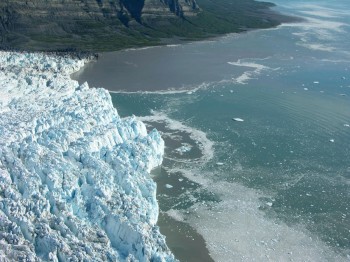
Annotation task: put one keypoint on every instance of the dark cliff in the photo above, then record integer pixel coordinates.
(99, 25)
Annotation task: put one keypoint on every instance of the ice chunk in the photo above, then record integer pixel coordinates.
(237, 119)
(331, 140)
(184, 148)
(168, 186)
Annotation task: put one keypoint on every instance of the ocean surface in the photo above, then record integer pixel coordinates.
(274, 187)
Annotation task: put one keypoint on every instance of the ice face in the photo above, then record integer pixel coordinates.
(74, 175)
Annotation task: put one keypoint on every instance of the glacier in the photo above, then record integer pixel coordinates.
(75, 180)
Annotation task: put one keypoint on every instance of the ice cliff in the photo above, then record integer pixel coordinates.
(74, 175)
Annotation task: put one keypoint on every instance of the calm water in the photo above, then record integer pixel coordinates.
(275, 187)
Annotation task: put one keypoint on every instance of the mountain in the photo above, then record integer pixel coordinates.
(102, 25)
(40, 20)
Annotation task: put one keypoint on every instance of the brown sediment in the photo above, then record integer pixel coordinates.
(184, 241)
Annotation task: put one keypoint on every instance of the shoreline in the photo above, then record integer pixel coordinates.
(175, 42)
(172, 224)
(207, 24)
(94, 56)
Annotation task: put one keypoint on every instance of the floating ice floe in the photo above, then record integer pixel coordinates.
(316, 82)
(168, 186)
(219, 164)
(238, 119)
(184, 148)
(346, 125)
(306, 89)
(74, 176)
(331, 140)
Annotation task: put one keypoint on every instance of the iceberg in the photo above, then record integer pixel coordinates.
(237, 119)
(75, 180)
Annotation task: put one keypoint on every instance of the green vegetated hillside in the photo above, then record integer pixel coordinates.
(106, 25)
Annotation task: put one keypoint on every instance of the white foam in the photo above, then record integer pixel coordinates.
(173, 45)
(246, 76)
(317, 47)
(205, 144)
(169, 91)
(140, 48)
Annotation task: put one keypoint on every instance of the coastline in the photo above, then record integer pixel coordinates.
(92, 56)
(210, 224)
(269, 13)
(212, 21)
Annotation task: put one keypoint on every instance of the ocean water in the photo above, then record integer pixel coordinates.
(274, 187)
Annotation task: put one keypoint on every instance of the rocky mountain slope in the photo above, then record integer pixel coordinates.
(26, 20)
(100, 25)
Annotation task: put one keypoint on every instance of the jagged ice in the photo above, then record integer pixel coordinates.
(74, 176)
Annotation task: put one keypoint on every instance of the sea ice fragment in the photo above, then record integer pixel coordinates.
(237, 119)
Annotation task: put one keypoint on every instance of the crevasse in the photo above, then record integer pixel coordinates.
(75, 179)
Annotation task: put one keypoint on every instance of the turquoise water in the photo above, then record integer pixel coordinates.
(275, 187)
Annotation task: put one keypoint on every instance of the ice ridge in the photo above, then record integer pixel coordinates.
(75, 179)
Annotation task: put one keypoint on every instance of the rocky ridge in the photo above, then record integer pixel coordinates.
(110, 25)
(16, 14)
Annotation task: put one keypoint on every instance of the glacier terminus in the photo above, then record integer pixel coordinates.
(75, 180)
